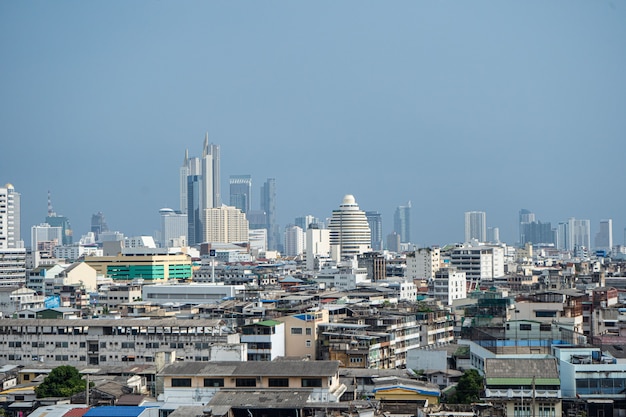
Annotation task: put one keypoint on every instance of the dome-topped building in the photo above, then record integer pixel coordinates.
(349, 230)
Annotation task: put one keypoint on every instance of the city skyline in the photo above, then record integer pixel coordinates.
(389, 104)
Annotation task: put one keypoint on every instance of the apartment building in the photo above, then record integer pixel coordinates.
(116, 342)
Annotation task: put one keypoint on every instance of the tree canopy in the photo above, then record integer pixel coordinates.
(468, 389)
(63, 381)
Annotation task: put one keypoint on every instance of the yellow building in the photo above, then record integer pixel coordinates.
(404, 390)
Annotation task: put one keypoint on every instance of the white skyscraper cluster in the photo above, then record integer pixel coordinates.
(12, 252)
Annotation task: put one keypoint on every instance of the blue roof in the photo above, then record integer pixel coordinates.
(112, 411)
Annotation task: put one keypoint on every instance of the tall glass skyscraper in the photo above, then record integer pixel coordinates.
(268, 205)
(375, 221)
(475, 226)
(402, 222)
(240, 192)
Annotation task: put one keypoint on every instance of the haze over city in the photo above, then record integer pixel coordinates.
(452, 106)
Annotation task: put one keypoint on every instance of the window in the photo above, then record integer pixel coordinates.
(545, 327)
(311, 382)
(545, 313)
(278, 382)
(245, 382)
(181, 382)
(213, 382)
(60, 344)
(308, 343)
(308, 331)
(296, 330)
(356, 360)
(128, 345)
(525, 326)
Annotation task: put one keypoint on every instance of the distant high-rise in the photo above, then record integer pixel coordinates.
(375, 221)
(268, 205)
(225, 224)
(349, 232)
(200, 188)
(194, 210)
(493, 234)
(402, 222)
(44, 238)
(98, 224)
(240, 192)
(604, 237)
(56, 220)
(295, 239)
(10, 236)
(12, 252)
(174, 228)
(303, 222)
(579, 234)
(475, 226)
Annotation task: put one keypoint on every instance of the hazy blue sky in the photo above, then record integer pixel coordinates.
(453, 105)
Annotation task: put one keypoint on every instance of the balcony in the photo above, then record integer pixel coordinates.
(521, 393)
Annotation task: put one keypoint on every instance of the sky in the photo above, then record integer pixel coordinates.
(455, 106)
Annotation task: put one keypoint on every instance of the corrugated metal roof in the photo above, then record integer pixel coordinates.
(521, 368)
(265, 398)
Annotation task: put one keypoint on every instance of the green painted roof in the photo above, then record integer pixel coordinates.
(522, 381)
(266, 323)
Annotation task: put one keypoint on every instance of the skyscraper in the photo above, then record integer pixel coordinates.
(56, 220)
(375, 221)
(12, 252)
(174, 228)
(225, 224)
(268, 205)
(200, 188)
(10, 236)
(240, 192)
(98, 224)
(295, 239)
(579, 234)
(604, 237)
(349, 231)
(402, 222)
(211, 196)
(475, 226)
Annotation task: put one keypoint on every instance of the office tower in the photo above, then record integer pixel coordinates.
(294, 241)
(375, 221)
(257, 220)
(240, 192)
(258, 240)
(10, 227)
(268, 205)
(304, 222)
(525, 217)
(402, 222)
(199, 188)
(604, 237)
(349, 232)
(211, 196)
(98, 225)
(174, 228)
(56, 220)
(194, 210)
(475, 226)
(393, 242)
(43, 238)
(493, 234)
(562, 236)
(579, 234)
(225, 224)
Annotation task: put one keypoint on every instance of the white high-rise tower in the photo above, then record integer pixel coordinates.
(475, 226)
(349, 231)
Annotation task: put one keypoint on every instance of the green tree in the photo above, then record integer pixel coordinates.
(63, 381)
(468, 389)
